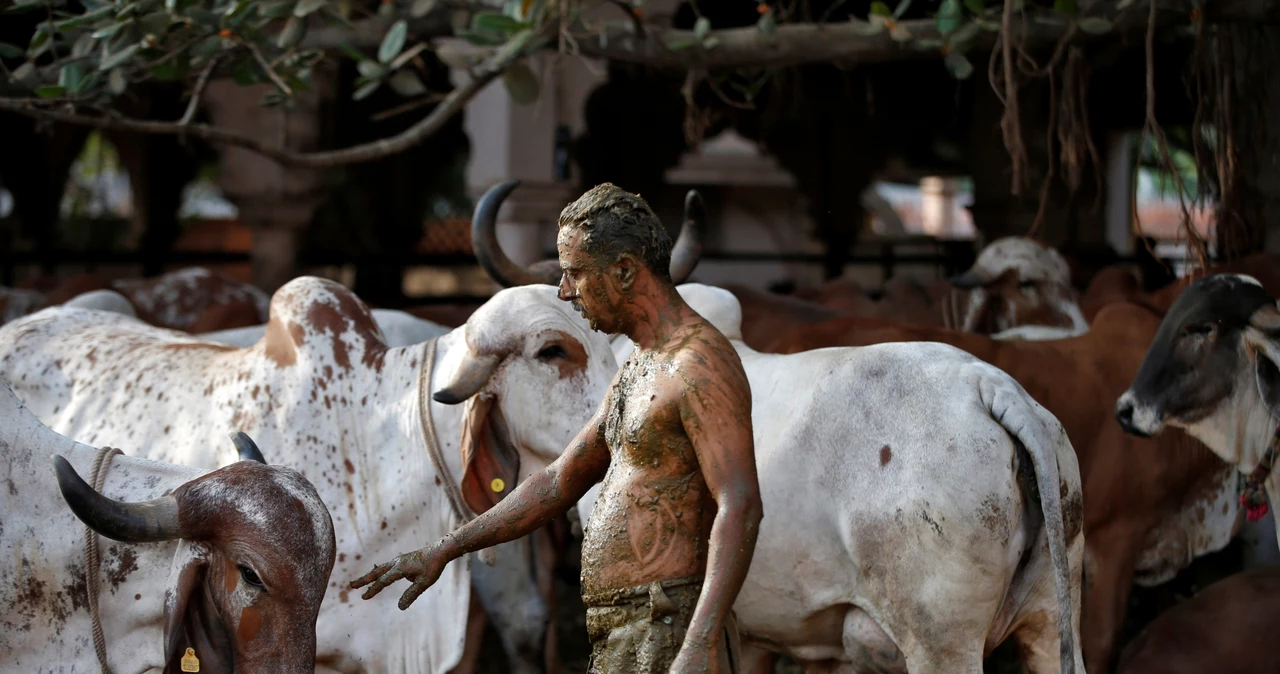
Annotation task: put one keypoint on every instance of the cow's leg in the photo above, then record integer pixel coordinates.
(1107, 579)
(476, 621)
(756, 660)
(1037, 631)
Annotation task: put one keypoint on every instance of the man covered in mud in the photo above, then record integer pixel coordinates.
(672, 533)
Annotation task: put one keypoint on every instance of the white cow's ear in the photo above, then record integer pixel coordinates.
(1262, 339)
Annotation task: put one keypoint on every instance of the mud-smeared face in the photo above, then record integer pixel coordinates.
(1199, 359)
(591, 285)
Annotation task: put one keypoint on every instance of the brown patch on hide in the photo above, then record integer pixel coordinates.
(230, 575)
(277, 345)
(250, 624)
(886, 455)
(237, 314)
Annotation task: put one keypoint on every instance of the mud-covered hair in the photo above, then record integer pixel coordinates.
(615, 222)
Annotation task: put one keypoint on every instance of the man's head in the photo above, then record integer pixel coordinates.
(609, 239)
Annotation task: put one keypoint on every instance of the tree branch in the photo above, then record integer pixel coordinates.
(198, 92)
(451, 104)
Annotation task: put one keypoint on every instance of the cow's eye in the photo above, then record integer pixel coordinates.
(248, 576)
(1197, 330)
(1027, 285)
(551, 352)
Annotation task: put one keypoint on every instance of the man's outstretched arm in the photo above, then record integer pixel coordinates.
(544, 496)
(716, 412)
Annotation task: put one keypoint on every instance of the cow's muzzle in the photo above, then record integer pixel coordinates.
(1135, 419)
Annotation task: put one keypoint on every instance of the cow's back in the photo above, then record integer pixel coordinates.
(1230, 627)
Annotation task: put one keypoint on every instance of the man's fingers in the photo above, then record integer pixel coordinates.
(411, 595)
(371, 576)
(382, 582)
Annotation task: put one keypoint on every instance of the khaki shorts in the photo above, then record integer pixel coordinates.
(639, 630)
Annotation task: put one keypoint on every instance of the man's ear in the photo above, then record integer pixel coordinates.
(625, 270)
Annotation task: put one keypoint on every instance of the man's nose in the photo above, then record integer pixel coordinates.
(564, 293)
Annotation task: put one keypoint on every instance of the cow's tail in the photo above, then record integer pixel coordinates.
(1016, 412)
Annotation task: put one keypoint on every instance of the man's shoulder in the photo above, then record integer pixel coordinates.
(707, 349)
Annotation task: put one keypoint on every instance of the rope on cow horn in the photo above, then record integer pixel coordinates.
(451, 488)
(1253, 497)
(97, 480)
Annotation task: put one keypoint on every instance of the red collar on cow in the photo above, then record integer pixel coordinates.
(1253, 497)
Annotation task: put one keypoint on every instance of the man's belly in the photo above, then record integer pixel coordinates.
(643, 528)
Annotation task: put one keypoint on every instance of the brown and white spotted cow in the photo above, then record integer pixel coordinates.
(1017, 281)
(194, 299)
(231, 563)
(1150, 506)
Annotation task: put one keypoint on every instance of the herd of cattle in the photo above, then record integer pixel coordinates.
(944, 468)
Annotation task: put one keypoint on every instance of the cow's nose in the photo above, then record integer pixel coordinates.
(1124, 415)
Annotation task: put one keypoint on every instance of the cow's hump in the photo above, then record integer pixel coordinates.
(322, 322)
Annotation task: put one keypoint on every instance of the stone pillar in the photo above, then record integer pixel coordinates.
(514, 140)
(1119, 204)
(276, 202)
(937, 205)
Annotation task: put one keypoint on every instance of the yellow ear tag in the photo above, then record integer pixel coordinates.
(190, 663)
(497, 485)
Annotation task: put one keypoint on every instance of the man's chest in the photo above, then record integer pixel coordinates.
(644, 416)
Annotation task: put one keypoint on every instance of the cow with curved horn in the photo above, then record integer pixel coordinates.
(233, 575)
(507, 273)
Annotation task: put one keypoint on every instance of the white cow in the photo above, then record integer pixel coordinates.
(901, 509)
(326, 395)
(398, 329)
(232, 563)
(1015, 281)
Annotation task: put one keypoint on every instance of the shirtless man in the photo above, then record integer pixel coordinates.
(674, 528)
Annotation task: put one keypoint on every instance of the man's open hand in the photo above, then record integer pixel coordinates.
(420, 567)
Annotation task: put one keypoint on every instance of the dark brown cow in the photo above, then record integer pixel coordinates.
(1118, 284)
(1151, 506)
(1230, 627)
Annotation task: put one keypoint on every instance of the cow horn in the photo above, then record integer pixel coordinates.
(1266, 318)
(154, 520)
(688, 248)
(484, 241)
(246, 447)
(472, 375)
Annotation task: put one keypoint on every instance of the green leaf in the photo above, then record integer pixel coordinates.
(245, 72)
(364, 91)
(497, 23)
(958, 64)
(371, 69)
(481, 39)
(305, 7)
(38, 41)
(702, 28)
(965, 33)
(975, 6)
(51, 92)
(521, 83)
(291, 35)
(421, 8)
(902, 9)
(25, 74)
(408, 55)
(70, 76)
(928, 44)
(9, 51)
(156, 23)
(276, 10)
(116, 82)
(87, 17)
(878, 8)
(393, 42)
(171, 69)
(767, 23)
(407, 84)
(1066, 6)
(118, 57)
(207, 47)
(109, 30)
(948, 16)
(711, 42)
(1095, 25)
(237, 9)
